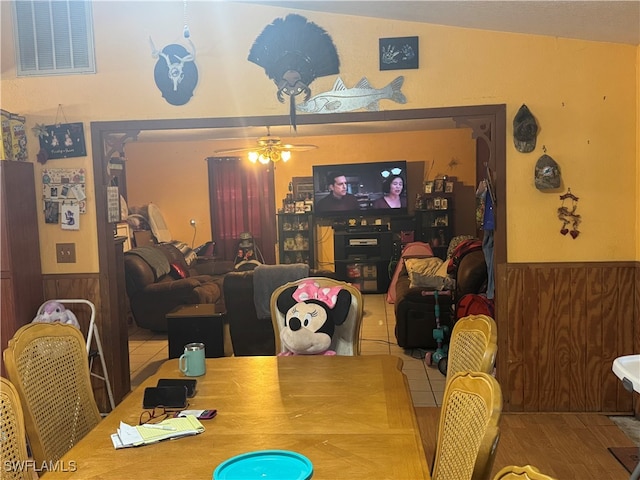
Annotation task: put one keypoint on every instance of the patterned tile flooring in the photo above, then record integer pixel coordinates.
(147, 350)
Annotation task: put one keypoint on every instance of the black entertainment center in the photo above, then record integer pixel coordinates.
(362, 255)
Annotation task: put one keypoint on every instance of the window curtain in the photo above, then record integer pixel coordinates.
(241, 199)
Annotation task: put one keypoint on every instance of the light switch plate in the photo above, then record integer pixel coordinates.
(66, 252)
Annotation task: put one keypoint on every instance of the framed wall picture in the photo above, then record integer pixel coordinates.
(448, 187)
(398, 53)
(302, 187)
(438, 185)
(64, 140)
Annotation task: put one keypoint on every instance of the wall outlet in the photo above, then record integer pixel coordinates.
(66, 252)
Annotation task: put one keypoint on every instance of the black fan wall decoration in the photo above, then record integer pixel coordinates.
(294, 52)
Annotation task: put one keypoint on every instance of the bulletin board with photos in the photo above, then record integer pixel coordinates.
(64, 196)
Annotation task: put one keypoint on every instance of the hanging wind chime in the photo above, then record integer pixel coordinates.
(567, 214)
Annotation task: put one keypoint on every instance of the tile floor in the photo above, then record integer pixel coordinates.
(148, 349)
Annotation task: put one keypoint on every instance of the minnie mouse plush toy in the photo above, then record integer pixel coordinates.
(311, 313)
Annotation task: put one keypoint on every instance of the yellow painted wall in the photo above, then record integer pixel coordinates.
(584, 95)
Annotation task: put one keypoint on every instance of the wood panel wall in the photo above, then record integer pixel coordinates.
(560, 326)
(87, 286)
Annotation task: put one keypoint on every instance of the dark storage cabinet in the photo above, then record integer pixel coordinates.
(434, 221)
(296, 242)
(362, 258)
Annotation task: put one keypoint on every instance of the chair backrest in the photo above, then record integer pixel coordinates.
(48, 365)
(473, 345)
(468, 428)
(346, 338)
(13, 444)
(527, 472)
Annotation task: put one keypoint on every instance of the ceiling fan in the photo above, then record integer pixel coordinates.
(268, 149)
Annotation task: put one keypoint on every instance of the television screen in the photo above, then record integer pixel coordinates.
(358, 189)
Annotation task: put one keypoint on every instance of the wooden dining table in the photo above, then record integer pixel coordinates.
(352, 417)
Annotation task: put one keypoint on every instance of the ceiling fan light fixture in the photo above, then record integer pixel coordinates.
(268, 149)
(253, 156)
(264, 158)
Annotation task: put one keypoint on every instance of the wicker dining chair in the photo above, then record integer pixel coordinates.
(13, 444)
(473, 345)
(468, 428)
(526, 472)
(48, 365)
(346, 338)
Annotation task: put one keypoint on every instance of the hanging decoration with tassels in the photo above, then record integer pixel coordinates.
(294, 52)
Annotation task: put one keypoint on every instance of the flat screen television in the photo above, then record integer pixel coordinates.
(360, 189)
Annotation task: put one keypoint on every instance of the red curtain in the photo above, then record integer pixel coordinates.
(241, 199)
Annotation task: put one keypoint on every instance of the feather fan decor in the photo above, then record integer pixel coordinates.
(294, 52)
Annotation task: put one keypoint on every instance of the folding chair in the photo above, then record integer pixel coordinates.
(91, 333)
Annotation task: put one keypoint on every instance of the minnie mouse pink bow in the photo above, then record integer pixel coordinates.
(310, 290)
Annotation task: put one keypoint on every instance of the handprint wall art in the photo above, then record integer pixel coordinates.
(398, 53)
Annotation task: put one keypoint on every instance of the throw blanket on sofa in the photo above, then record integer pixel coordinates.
(154, 257)
(266, 278)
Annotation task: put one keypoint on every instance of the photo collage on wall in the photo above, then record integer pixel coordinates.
(64, 195)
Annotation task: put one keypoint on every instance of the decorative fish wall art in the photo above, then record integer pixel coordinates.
(362, 95)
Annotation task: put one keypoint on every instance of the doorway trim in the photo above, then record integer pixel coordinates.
(487, 122)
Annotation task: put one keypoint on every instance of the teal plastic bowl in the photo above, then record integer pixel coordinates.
(265, 465)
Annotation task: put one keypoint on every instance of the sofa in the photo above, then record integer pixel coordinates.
(415, 304)
(161, 277)
(252, 332)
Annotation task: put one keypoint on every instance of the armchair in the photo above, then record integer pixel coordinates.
(158, 279)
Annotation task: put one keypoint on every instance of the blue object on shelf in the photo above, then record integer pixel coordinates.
(265, 465)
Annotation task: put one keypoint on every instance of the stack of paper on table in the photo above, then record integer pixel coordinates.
(134, 436)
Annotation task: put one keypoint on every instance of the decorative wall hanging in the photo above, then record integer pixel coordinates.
(63, 141)
(567, 214)
(113, 204)
(63, 187)
(294, 52)
(70, 216)
(60, 140)
(362, 95)
(398, 53)
(175, 73)
(14, 137)
(525, 130)
(547, 173)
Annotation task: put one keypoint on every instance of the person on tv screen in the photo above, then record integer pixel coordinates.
(393, 188)
(338, 199)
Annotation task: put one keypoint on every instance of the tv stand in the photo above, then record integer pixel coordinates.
(367, 228)
(362, 257)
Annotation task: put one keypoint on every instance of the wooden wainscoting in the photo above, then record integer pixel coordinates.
(560, 326)
(87, 286)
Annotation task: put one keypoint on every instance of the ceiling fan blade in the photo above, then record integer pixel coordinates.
(226, 151)
(297, 148)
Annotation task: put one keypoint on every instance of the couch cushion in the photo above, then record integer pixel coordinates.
(172, 254)
(427, 273)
